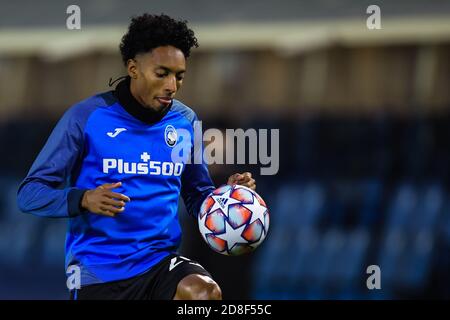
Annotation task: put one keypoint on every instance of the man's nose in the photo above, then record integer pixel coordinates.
(171, 85)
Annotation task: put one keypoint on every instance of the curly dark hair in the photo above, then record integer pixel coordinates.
(148, 31)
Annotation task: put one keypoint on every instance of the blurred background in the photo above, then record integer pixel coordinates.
(364, 119)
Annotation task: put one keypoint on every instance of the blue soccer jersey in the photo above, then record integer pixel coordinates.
(105, 139)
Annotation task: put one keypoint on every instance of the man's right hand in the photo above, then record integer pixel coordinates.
(103, 201)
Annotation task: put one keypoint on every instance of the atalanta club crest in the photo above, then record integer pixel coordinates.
(171, 136)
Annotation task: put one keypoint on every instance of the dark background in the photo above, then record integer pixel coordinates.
(364, 120)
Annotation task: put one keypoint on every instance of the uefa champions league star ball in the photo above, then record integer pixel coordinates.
(233, 220)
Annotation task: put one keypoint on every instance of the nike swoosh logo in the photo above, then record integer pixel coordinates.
(173, 264)
(116, 132)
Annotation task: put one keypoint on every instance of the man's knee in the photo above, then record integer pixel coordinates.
(198, 287)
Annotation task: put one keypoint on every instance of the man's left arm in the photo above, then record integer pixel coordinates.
(196, 185)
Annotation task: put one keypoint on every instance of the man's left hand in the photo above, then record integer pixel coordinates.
(244, 179)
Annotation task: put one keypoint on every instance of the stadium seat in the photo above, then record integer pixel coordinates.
(402, 207)
(370, 207)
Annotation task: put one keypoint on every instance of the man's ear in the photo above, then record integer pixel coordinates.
(132, 68)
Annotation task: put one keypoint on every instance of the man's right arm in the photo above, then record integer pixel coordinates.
(46, 190)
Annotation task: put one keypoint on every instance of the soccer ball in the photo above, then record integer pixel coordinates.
(233, 220)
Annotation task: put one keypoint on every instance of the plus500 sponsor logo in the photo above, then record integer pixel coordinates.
(151, 167)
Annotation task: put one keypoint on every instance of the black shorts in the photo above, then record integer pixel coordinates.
(159, 283)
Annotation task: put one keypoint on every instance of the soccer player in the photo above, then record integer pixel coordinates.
(107, 166)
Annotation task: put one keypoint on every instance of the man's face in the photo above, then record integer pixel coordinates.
(156, 76)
